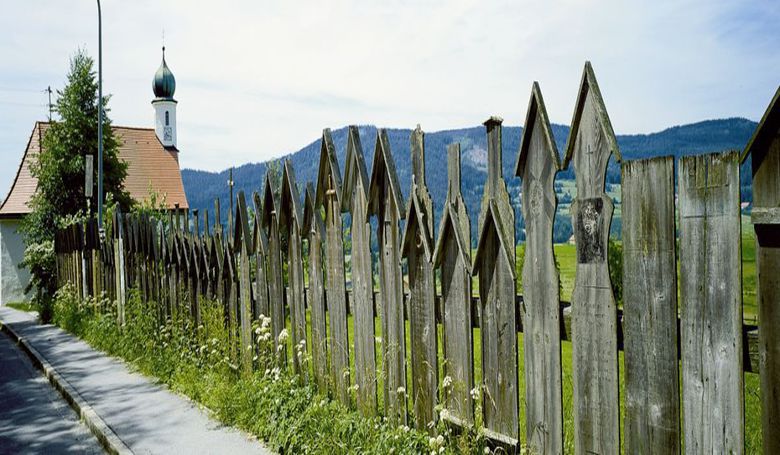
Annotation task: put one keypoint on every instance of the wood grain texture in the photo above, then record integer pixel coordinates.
(243, 241)
(327, 197)
(595, 360)
(315, 228)
(537, 165)
(494, 263)
(385, 201)
(710, 276)
(262, 305)
(652, 416)
(417, 248)
(355, 200)
(290, 220)
(453, 257)
(274, 267)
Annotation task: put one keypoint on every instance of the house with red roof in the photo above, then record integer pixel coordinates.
(152, 163)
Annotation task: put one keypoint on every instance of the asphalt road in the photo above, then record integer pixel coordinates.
(34, 418)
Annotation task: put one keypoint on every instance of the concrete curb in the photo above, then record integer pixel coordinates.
(105, 435)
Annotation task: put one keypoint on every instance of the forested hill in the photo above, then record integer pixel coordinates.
(203, 187)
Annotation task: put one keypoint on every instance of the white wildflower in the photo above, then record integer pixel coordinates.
(283, 336)
(447, 382)
(400, 391)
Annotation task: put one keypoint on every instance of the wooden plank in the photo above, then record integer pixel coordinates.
(650, 307)
(595, 360)
(417, 248)
(290, 219)
(355, 200)
(710, 275)
(261, 277)
(764, 147)
(453, 256)
(328, 196)
(119, 260)
(274, 267)
(243, 241)
(385, 201)
(537, 165)
(315, 228)
(494, 263)
(230, 296)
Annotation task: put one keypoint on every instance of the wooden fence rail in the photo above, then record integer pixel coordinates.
(288, 261)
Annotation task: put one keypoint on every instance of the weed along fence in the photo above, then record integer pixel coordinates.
(441, 305)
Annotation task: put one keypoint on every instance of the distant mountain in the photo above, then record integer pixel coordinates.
(203, 187)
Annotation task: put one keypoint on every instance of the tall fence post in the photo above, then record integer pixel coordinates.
(243, 241)
(328, 197)
(354, 199)
(290, 218)
(417, 247)
(711, 326)
(275, 278)
(453, 257)
(650, 307)
(386, 202)
(260, 242)
(537, 164)
(494, 264)
(315, 228)
(594, 320)
(119, 261)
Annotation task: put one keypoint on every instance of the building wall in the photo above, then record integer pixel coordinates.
(13, 277)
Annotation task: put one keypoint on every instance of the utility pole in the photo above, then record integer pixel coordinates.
(48, 90)
(100, 118)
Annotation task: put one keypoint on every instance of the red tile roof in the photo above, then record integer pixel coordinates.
(149, 163)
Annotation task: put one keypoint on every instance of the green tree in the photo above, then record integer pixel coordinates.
(60, 169)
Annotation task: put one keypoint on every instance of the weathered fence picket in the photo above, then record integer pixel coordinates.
(652, 417)
(328, 198)
(315, 229)
(453, 257)
(537, 164)
(596, 407)
(710, 287)
(290, 220)
(385, 201)
(274, 266)
(355, 201)
(260, 242)
(243, 242)
(494, 264)
(417, 248)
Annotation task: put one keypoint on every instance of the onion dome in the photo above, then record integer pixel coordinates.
(164, 84)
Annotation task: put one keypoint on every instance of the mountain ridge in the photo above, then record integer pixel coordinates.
(202, 187)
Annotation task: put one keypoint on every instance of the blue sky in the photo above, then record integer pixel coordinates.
(258, 79)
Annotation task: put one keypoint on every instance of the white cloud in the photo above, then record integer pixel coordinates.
(258, 79)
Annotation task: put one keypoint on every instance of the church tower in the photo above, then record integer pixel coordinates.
(164, 85)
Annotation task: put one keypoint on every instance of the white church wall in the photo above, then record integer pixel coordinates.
(13, 277)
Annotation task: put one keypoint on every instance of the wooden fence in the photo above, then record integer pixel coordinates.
(257, 268)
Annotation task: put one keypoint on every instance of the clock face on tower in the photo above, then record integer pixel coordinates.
(168, 133)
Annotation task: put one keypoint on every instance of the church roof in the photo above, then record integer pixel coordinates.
(149, 163)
